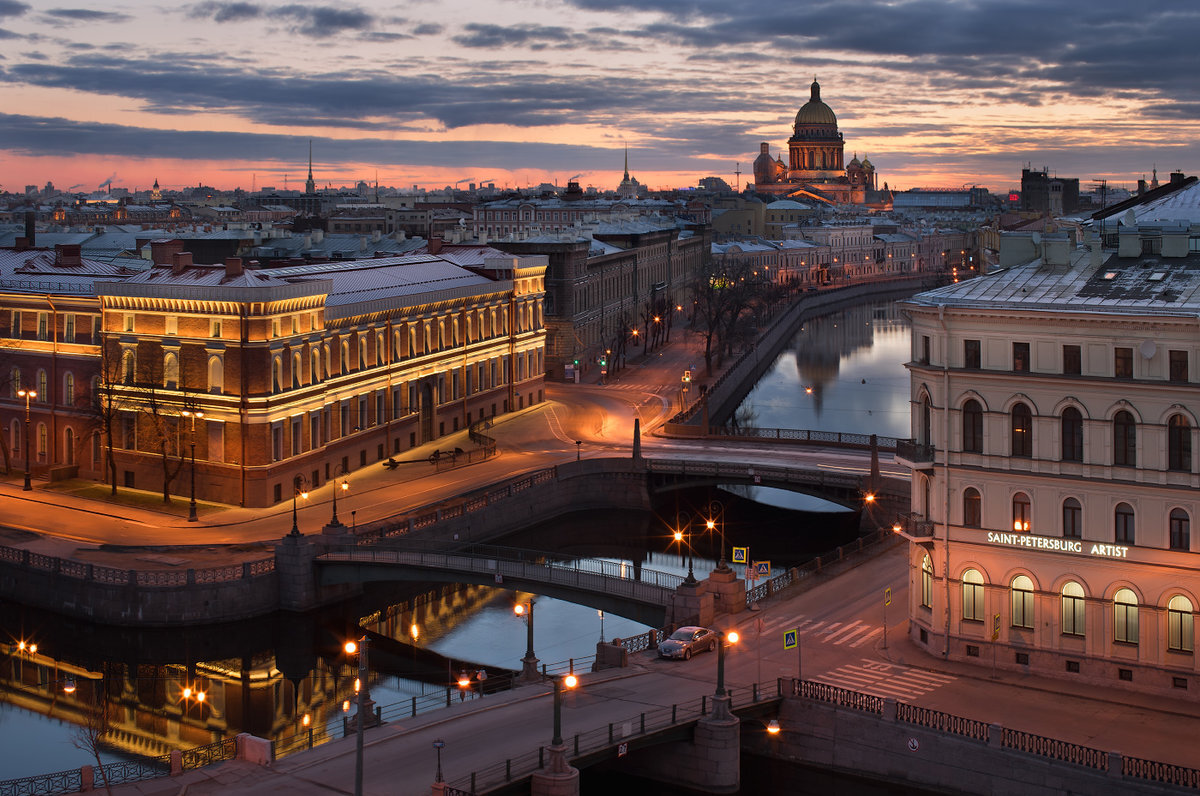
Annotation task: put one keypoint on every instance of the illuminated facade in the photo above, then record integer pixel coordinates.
(1055, 409)
(289, 372)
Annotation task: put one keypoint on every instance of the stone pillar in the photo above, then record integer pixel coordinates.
(637, 439)
(558, 778)
(691, 600)
(717, 745)
(297, 577)
(87, 779)
(728, 591)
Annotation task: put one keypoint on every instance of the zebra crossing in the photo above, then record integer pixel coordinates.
(884, 679)
(848, 634)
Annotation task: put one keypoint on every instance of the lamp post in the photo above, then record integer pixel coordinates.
(28, 395)
(343, 486)
(300, 488)
(192, 415)
(439, 744)
(716, 522)
(364, 708)
(682, 525)
(721, 698)
(529, 664)
(565, 681)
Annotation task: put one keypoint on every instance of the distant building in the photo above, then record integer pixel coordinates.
(1042, 192)
(815, 166)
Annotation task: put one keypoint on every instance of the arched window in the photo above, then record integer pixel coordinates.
(297, 369)
(1123, 523)
(380, 349)
(1124, 440)
(362, 353)
(1181, 530)
(1074, 616)
(170, 370)
(43, 392)
(1022, 601)
(1179, 444)
(1072, 519)
(1021, 512)
(128, 366)
(69, 389)
(345, 356)
(1022, 431)
(1180, 625)
(1125, 617)
(277, 374)
(1072, 435)
(69, 445)
(926, 582)
(314, 364)
(972, 430)
(972, 585)
(926, 426)
(216, 375)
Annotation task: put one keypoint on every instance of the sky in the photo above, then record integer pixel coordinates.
(941, 93)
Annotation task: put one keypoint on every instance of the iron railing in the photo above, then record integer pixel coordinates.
(199, 756)
(915, 452)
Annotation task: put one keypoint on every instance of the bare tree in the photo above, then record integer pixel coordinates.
(90, 735)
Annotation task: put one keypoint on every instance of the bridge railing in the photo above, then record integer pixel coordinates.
(608, 736)
(800, 574)
(501, 560)
(842, 438)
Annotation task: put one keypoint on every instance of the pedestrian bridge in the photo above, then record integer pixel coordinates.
(620, 588)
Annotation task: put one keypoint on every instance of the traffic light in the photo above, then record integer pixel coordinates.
(603, 362)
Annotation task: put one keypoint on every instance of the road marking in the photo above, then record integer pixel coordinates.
(875, 632)
(885, 679)
(839, 636)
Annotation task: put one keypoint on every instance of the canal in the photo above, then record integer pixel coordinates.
(281, 676)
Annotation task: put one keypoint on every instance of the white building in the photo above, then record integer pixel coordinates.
(1055, 411)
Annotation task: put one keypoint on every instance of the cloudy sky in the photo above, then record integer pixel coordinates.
(945, 93)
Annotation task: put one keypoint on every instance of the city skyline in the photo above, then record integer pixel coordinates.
(518, 93)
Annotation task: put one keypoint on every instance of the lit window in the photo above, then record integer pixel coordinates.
(1179, 624)
(1022, 602)
(926, 582)
(972, 585)
(1125, 617)
(1074, 605)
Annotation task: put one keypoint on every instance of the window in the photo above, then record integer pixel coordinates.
(43, 332)
(1123, 362)
(1179, 444)
(1021, 357)
(345, 364)
(972, 422)
(277, 374)
(170, 371)
(297, 370)
(1124, 439)
(1021, 511)
(1179, 624)
(128, 366)
(69, 328)
(972, 508)
(926, 582)
(1125, 617)
(924, 347)
(15, 323)
(1022, 602)
(128, 322)
(43, 393)
(69, 389)
(972, 584)
(215, 329)
(216, 375)
(1022, 431)
(362, 353)
(1072, 519)
(1178, 365)
(1180, 530)
(1072, 360)
(1073, 605)
(1072, 435)
(972, 354)
(1123, 522)
(42, 440)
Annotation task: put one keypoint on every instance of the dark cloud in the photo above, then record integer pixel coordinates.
(85, 15)
(11, 8)
(8, 34)
(490, 36)
(227, 12)
(44, 137)
(428, 29)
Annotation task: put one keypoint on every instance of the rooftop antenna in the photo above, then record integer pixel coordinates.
(737, 181)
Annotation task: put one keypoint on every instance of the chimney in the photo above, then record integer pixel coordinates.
(30, 229)
(162, 251)
(179, 262)
(318, 235)
(67, 254)
(233, 267)
(376, 235)
(435, 245)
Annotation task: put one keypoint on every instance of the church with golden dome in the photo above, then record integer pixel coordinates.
(815, 167)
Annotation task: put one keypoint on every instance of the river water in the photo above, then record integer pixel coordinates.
(265, 676)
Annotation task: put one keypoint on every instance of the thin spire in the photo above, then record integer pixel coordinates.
(627, 163)
(310, 186)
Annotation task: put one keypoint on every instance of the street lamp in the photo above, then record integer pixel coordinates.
(682, 524)
(364, 707)
(715, 522)
(722, 637)
(529, 667)
(564, 681)
(344, 486)
(300, 488)
(192, 415)
(28, 395)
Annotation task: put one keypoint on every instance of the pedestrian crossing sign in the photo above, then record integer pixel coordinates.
(789, 639)
(762, 569)
(741, 555)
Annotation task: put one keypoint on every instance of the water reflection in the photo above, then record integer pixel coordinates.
(841, 372)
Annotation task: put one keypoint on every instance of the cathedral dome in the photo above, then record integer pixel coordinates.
(814, 111)
(764, 165)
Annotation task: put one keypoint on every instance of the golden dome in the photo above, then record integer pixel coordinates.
(814, 111)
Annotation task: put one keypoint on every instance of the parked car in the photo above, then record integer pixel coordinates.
(688, 640)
